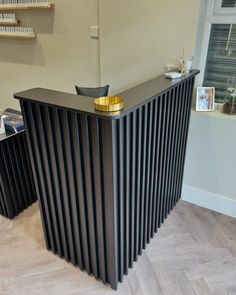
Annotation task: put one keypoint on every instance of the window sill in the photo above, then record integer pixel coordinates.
(216, 114)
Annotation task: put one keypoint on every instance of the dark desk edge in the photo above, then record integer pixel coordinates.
(134, 97)
(8, 135)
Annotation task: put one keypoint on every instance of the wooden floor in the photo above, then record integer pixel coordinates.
(193, 253)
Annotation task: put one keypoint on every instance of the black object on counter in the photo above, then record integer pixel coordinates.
(92, 91)
(107, 181)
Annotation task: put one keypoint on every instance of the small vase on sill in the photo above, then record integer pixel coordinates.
(229, 105)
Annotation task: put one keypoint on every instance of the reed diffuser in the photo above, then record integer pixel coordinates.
(229, 106)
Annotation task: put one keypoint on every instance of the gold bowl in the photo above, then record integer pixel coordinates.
(109, 103)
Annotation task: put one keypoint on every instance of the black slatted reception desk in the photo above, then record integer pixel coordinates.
(17, 190)
(107, 181)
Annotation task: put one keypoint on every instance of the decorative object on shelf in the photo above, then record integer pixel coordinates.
(109, 103)
(173, 75)
(185, 63)
(8, 19)
(7, 5)
(229, 106)
(205, 99)
(17, 32)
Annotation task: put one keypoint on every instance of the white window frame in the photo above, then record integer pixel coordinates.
(215, 14)
(223, 10)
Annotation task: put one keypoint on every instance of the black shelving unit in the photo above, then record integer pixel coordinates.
(17, 190)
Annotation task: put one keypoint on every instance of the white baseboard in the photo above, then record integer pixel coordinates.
(209, 200)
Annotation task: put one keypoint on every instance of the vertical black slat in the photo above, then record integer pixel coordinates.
(27, 166)
(143, 176)
(109, 168)
(127, 157)
(178, 146)
(168, 154)
(121, 197)
(80, 189)
(94, 137)
(17, 188)
(19, 170)
(23, 168)
(2, 211)
(46, 175)
(133, 202)
(86, 164)
(68, 160)
(10, 181)
(156, 208)
(45, 184)
(161, 159)
(8, 205)
(152, 163)
(146, 236)
(153, 170)
(114, 214)
(183, 120)
(59, 140)
(182, 113)
(189, 105)
(188, 99)
(37, 172)
(48, 130)
(138, 180)
(173, 145)
(4, 208)
(177, 142)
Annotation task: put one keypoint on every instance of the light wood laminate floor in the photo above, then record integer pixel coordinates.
(193, 253)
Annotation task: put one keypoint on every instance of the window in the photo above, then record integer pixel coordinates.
(219, 60)
(228, 3)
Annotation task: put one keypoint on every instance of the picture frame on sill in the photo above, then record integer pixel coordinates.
(205, 99)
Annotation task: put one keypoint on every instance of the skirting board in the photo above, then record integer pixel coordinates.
(209, 200)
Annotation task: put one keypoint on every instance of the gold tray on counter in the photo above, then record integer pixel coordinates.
(109, 103)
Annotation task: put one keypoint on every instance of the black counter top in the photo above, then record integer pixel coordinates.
(133, 97)
(8, 135)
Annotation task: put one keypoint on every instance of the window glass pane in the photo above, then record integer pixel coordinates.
(228, 3)
(221, 58)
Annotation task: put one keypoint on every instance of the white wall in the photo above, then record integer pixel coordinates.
(62, 55)
(210, 175)
(139, 37)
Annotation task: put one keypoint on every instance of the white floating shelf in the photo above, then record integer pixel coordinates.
(26, 6)
(17, 32)
(8, 21)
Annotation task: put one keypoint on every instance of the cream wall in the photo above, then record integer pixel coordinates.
(138, 38)
(62, 55)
